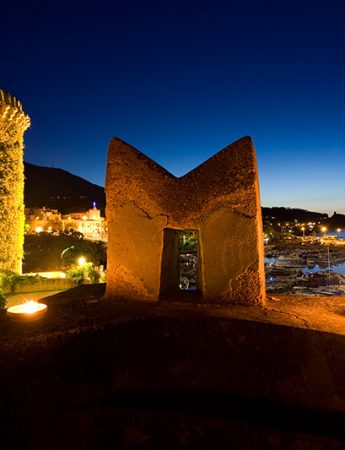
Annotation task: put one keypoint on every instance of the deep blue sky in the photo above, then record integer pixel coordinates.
(182, 79)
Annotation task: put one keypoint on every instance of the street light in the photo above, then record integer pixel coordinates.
(338, 231)
(81, 261)
(303, 229)
(324, 229)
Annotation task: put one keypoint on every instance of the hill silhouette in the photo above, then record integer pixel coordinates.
(59, 189)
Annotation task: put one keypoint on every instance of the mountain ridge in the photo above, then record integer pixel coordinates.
(59, 189)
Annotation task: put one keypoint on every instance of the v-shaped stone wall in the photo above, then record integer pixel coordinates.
(220, 199)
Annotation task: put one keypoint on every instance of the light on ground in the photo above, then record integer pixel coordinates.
(27, 311)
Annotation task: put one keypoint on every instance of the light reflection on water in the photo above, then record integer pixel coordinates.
(340, 235)
(338, 268)
(269, 260)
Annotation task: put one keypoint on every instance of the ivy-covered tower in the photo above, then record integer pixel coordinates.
(13, 123)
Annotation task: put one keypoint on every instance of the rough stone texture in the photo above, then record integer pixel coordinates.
(220, 199)
(13, 123)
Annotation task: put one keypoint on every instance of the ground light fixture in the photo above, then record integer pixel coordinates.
(29, 311)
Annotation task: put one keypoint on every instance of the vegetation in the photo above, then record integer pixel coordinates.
(10, 280)
(76, 274)
(47, 252)
(11, 200)
(188, 240)
(3, 301)
(86, 272)
(11, 184)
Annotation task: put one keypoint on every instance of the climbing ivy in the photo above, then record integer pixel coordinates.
(11, 189)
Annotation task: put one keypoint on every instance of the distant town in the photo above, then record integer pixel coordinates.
(89, 223)
(304, 252)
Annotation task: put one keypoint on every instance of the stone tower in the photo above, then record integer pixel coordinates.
(149, 210)
(13, 123)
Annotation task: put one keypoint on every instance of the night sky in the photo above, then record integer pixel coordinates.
(180, 80)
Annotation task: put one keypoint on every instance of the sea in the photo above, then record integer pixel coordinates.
(338, 268)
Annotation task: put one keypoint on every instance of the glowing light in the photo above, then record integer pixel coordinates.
(27, 311)
(81, 261)
(323, 229)
(38, 229)
(338, 230)
(84, 217)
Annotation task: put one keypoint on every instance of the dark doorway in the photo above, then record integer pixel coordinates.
(180, 265)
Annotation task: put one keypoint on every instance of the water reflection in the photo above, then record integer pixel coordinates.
(337, 268)
(315, 280)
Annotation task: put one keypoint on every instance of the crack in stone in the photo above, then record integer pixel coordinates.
(306, 323)
(146, 214)
(246, 216)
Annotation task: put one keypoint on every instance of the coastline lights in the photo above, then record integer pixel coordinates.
(28, 311)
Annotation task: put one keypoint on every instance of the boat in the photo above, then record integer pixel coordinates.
(291, 261)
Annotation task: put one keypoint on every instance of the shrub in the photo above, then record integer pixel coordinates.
(77, 274)
(3, 301)
(11, 280)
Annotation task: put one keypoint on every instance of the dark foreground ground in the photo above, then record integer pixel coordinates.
(97, 374)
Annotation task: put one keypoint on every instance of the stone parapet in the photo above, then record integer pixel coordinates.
(11, 110)
(219, 200)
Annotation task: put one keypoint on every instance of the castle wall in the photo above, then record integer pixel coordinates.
(13, 123)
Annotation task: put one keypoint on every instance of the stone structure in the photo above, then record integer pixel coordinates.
(147, 206)
(13, 123)
(90, 223)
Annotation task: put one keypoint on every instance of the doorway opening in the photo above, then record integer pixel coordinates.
(180, 269)
(188, 260)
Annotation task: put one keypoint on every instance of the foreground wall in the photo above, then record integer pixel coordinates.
(13, 123)
(219, 199)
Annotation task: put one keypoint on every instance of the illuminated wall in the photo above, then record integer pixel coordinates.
(13, 123)
(219, 199)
